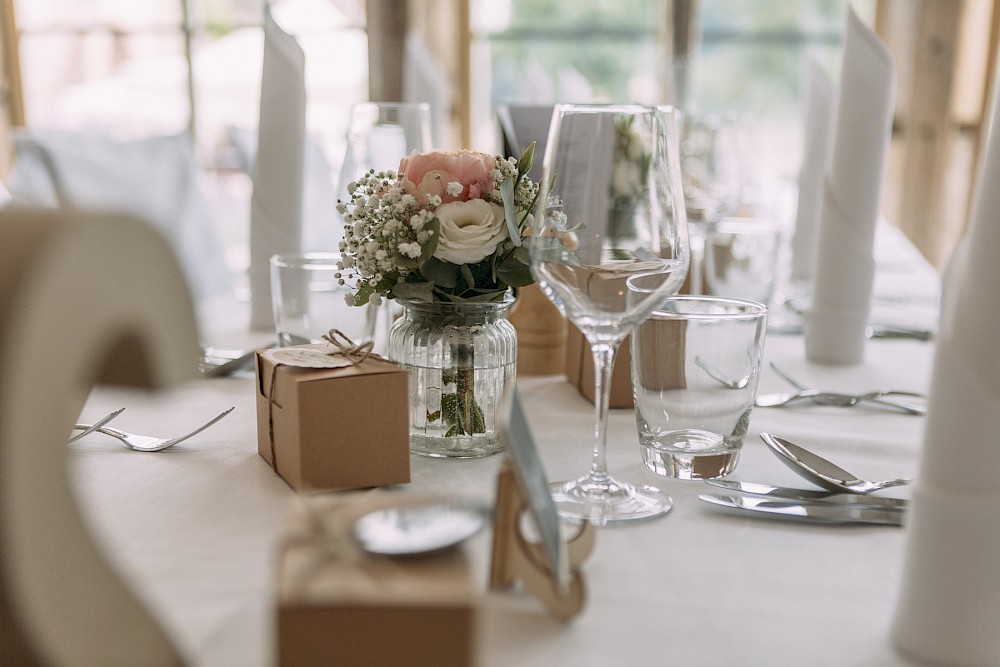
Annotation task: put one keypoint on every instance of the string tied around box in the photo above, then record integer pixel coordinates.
(338, 351)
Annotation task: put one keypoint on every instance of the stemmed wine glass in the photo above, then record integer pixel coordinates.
(610, 246)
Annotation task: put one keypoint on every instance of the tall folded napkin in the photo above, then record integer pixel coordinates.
(276, 203)
(949, 605)
(815, 163)
(835, 324)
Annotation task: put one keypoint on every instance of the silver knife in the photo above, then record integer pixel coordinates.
(821, 512)
(808, 495)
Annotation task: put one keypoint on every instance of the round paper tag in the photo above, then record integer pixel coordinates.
(316, 355)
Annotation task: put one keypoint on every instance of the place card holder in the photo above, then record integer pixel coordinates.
(517, 559)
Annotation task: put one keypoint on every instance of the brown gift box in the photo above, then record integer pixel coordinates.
(340, 606)
(325, 436)
(580, 369)
(604, 286)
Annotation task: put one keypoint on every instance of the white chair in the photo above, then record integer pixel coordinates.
(155, 180)
(86, 298)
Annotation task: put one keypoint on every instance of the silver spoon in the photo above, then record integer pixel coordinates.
(417, 529)
(821, 472)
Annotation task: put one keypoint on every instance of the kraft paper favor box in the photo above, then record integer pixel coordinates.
(604, 286)
(334, 428)
(340, 606)
(580, 369)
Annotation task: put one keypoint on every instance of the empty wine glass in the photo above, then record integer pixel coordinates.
(709, 150)
(611, 218)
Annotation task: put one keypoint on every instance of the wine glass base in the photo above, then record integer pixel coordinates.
(604, 501)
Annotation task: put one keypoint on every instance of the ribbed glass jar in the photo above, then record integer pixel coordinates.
(460, 357)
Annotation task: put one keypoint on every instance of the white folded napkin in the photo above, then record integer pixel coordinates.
(320, 229)
(815, 163)
(949, 605)
(154, 179)
(276, 204)
(835, 323)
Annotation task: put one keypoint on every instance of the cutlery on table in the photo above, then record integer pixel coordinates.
(818, 512)
(838, 399)
(148, 443)
(821, 472)
(807, 495)
(217, 362)
(96, 425)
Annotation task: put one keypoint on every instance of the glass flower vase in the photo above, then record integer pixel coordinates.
(460, 357)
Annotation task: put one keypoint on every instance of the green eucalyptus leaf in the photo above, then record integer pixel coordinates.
(526, 160)
(509, 214)
(515, 273)
(416, 291)
(470, 280)
(434, 227)
(441, 273)
(363, 294)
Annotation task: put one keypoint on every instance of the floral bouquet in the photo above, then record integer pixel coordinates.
(448, 226)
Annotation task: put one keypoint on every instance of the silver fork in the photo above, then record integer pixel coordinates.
(147, 443)
(841, 400)
(96, 425)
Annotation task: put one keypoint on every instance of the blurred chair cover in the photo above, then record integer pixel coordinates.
(154, 179)
(84, 298)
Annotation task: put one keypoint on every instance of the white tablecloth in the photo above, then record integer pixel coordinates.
(195, 528)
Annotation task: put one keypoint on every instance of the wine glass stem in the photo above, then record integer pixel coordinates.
(604, 361)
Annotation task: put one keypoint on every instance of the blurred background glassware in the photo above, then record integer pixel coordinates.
(309, 301)
(609, 246)
(695, 367)
(379, 136)
(712, 176)
(741, 259)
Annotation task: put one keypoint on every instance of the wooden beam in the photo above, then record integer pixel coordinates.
(386, 42)
(927, 124)
(10, 38)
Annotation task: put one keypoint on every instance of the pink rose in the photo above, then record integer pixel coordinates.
(422, 174)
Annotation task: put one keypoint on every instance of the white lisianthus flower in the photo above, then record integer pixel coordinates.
(470, 231)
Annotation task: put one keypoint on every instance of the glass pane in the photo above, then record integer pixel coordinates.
(133, 84)
(126, 14)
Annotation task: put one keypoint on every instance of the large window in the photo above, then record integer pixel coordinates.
(746, 58)
(142, 68)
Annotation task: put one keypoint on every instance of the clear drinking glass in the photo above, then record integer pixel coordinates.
(309, 300)
(695, 366)
(611, 215)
